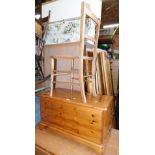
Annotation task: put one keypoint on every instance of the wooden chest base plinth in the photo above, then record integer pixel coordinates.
(50, 143)
(98, 148)
(88, 123)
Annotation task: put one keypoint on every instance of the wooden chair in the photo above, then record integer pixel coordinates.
(83, 56)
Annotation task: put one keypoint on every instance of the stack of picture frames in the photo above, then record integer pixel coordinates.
(103, 75)
(105, 86)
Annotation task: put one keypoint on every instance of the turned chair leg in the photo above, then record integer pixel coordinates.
(52, 72)
(72, 76)
(82, 88)
(93, 76)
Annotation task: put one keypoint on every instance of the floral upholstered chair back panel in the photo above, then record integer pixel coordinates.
(68, 31)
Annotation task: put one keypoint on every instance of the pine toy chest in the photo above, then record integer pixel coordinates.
(88, 123)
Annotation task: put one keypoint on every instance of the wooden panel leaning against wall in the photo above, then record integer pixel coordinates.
(115, 63)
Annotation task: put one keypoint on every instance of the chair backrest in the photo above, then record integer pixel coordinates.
(88, 15)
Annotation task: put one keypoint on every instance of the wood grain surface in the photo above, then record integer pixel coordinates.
(50, 143)
(88, 123)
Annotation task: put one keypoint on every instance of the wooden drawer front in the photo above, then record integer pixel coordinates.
(107, 119)
(82, 121)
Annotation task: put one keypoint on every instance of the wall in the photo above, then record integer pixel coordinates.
(67, 49)
(64, 9)
(64, 23)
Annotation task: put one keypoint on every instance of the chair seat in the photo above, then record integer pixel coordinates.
(66, 83)
(87, 58)
(64, 57)
(75, 71)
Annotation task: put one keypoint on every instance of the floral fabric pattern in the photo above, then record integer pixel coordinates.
(68, 31)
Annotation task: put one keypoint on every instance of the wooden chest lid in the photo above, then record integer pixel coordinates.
(99, 102)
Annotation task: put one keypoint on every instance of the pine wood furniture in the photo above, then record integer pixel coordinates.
(85, 13)
(102, 68)
(50, 143)
(89, 124)
(106, 73)
(115, 75)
